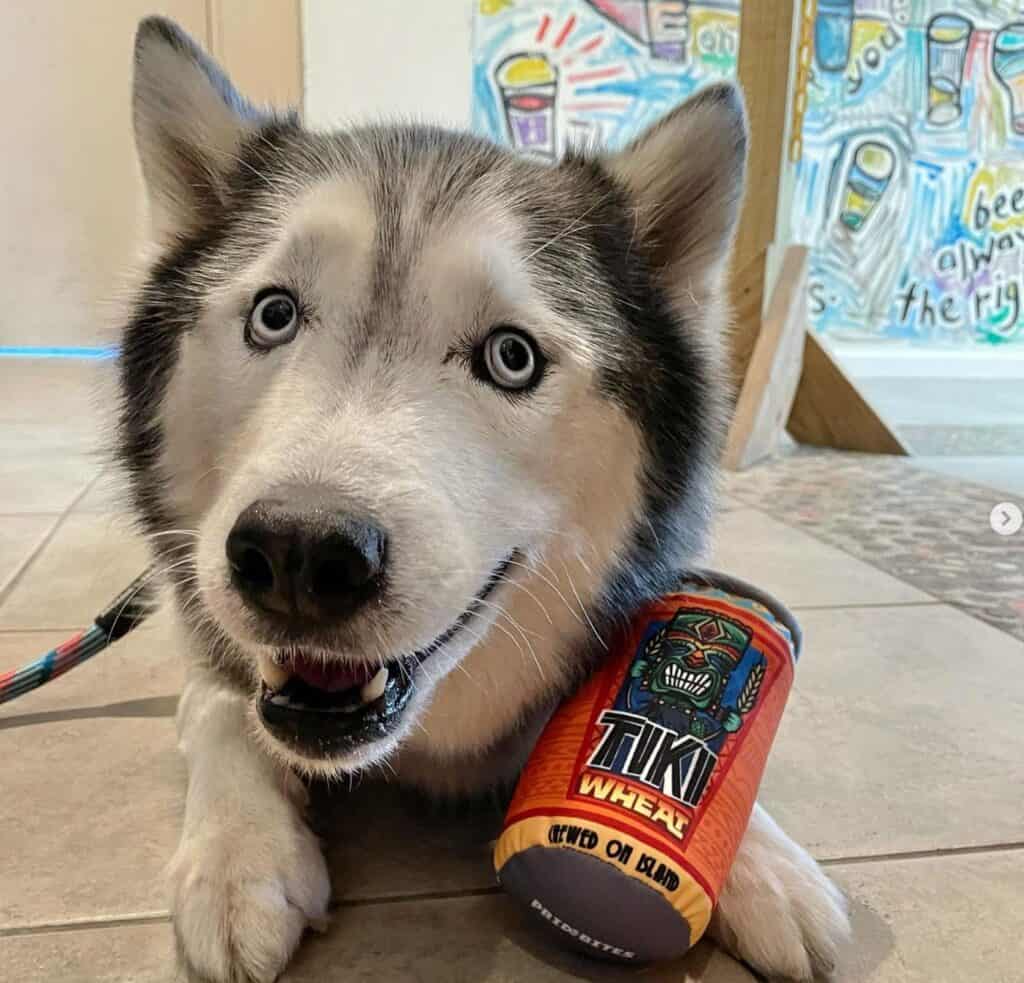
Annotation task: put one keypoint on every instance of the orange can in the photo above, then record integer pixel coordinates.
(630, 810)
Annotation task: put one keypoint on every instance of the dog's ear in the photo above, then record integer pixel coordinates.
(189, 123)
(685, 175)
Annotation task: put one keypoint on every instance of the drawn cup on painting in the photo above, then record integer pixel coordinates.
(529, 86)
(866, 181)
(668, 25)
(1008, 67)
(663, 25)
(948, 38)
(833, 34)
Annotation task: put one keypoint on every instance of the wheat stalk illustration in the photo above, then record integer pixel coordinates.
(748, 695)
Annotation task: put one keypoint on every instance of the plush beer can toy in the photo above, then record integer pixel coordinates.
(630, 810)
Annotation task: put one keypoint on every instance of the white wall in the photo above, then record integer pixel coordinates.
(69, 186)
(372, 58)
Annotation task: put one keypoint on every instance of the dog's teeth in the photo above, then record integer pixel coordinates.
(374, 689)
(274, 675)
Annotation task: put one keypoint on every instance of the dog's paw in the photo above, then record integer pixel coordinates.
(242, 897)
(777, 910)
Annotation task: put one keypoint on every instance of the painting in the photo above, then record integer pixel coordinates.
(908, 180)
(910, 185)
(551, 74)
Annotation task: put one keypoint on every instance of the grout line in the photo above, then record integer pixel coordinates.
(8, 587)
(79, 924)
(952, 851)
(871, 604)
(159, 917)
(471, 892)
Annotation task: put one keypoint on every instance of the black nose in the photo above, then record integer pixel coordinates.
(305, 560)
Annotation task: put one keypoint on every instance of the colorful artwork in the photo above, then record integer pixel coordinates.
(909, 164)
(548, 74)
(910, 185)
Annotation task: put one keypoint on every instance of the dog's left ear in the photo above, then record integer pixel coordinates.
(685, 176)
(189, 124)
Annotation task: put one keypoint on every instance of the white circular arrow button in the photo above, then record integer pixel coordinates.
(1006, 519)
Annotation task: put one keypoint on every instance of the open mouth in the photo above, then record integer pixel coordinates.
(683, 681)
(322, 708)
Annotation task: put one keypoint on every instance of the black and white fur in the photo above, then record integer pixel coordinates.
(404, 243)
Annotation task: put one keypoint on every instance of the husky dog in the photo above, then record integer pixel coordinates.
(410, 421)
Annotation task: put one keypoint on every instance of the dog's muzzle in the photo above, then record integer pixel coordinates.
(322, 707)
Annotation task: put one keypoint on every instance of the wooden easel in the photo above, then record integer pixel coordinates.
(785, 378)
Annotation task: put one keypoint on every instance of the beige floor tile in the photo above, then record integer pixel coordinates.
(89, 560)
(123, 954)
(20, 536)
(71, 392)
(464, 940)
(67, 435)
(44, 466)
(941, 920)
(797, 568)
(903, 732)
(93, 786)
(107, 494)
(372, 855)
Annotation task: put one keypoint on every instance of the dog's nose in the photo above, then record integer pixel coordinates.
(303, 561)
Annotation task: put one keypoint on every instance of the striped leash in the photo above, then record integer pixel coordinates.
(128, 610)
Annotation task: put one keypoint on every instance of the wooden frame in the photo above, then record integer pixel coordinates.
(773, 369)
(784, 376)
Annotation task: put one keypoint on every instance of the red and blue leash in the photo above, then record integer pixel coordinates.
(129, 609)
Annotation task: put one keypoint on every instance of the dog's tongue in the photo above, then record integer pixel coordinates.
(331, 676)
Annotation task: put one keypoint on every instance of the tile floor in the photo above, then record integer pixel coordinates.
(900, 762)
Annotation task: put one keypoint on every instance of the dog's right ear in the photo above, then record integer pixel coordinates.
(686, 177)
(189, 123)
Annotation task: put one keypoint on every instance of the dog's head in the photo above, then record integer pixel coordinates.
(390, 394)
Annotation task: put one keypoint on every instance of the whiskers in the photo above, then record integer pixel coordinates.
(511, 619)
(502, 613)
(170, 562)
(578, 611)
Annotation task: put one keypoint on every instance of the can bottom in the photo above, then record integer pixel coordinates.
(593, 907)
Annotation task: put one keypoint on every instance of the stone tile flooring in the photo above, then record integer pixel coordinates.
(900, 762)
(929, 530)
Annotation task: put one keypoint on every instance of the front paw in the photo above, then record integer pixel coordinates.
(777, 910)
(242, 895)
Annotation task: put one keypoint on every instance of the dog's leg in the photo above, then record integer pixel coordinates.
(248, 875)
(777, 910)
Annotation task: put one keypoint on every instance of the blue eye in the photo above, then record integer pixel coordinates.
(273, 321)
(511, 359)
